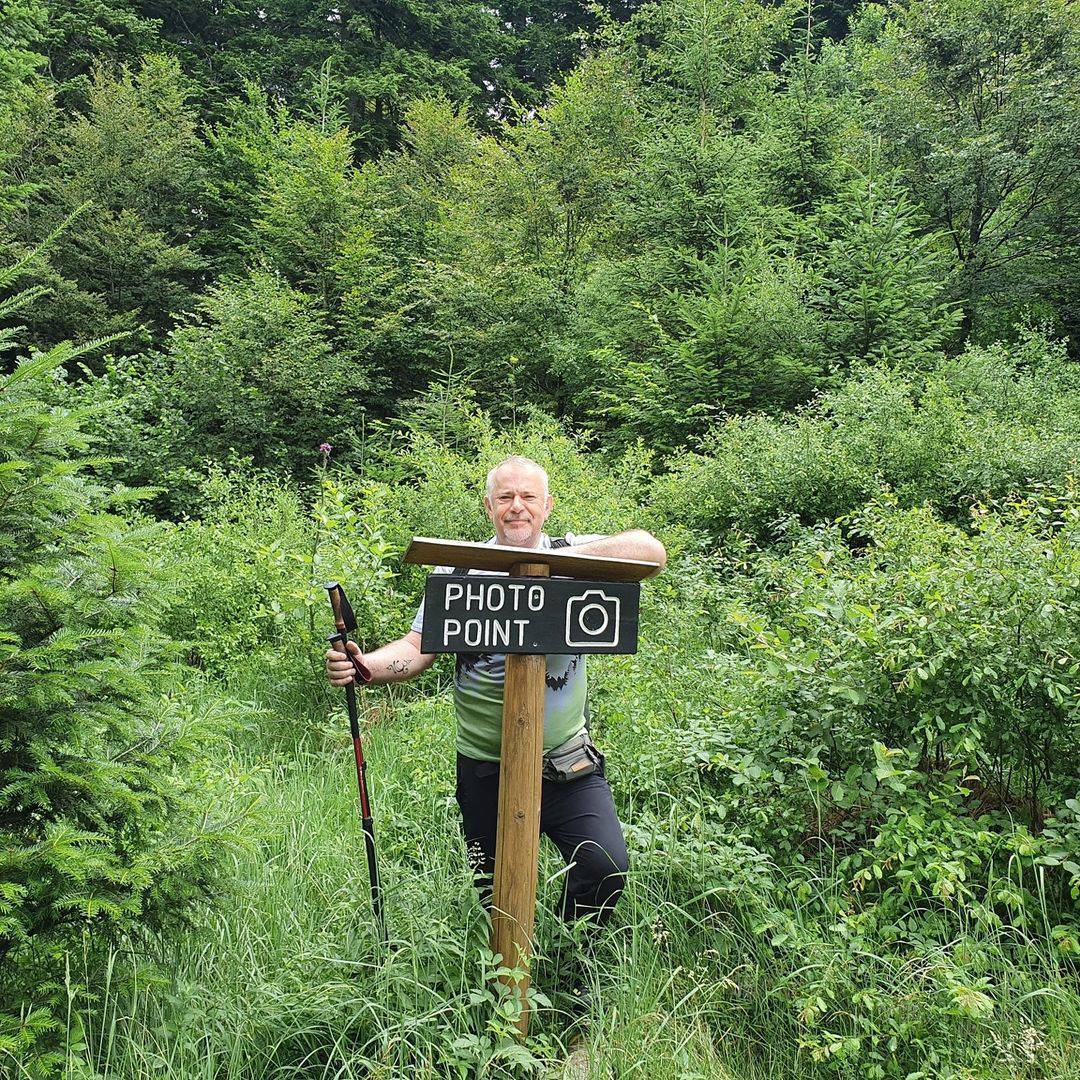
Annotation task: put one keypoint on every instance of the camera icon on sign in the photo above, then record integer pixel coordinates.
(593, 619)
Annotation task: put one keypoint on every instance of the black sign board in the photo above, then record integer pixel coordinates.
(489, 613)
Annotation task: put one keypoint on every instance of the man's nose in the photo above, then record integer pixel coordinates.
(518, 503)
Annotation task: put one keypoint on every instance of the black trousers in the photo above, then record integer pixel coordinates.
(579, 817)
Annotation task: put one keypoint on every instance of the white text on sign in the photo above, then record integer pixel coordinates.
(491, 598)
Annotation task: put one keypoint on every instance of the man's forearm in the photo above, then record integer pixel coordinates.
(395, 662)
(633, 544)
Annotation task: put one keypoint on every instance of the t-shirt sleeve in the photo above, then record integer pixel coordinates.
(418, 618)
(577, 539)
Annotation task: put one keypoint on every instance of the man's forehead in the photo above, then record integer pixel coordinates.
(507, 476)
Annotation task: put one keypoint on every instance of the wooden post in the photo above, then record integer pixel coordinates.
(517, 839)
(583, 585)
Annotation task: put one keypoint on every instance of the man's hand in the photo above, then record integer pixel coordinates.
(339, 668)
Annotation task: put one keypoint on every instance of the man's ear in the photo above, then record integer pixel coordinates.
(487, 503)
(549, 504)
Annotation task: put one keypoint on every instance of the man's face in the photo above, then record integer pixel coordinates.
(518, 505)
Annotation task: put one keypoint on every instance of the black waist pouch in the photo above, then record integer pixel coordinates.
(571, 760)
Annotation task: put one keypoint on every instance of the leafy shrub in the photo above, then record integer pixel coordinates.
(856, 748)
(860, 698)
(980, 426)
(251, 568)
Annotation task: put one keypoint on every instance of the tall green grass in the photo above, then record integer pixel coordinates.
(285, 977)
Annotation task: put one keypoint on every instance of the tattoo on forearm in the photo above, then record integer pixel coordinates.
(399, 667)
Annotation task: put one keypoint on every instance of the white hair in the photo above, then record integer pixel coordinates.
(521, 463)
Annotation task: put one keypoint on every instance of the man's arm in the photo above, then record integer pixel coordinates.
(633, 544)
(396, 662)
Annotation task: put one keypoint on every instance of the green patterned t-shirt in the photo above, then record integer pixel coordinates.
(478, 687)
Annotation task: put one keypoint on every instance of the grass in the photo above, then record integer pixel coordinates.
(284, 976)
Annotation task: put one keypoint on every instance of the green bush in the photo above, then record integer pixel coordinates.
(872, 689)
(250, 572)
(857, 748)
(990, 422)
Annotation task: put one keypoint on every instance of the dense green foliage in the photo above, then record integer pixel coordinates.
(710, 214)
(850, 821)
(978, 427)
(793, 286)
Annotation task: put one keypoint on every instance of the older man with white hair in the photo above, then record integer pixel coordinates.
(578, 815)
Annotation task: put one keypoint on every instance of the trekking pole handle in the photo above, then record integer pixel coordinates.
(345, 620)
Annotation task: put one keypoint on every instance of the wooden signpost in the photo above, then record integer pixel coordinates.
(553, 601)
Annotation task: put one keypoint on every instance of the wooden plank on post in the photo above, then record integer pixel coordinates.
(517, 838)
(565, 562)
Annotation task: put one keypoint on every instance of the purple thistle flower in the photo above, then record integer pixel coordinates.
(325, 448)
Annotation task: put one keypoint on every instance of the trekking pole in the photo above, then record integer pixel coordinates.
(345, 621)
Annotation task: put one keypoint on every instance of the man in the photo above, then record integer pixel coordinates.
(578, 815)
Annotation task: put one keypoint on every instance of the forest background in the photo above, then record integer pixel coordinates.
(793, 285)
